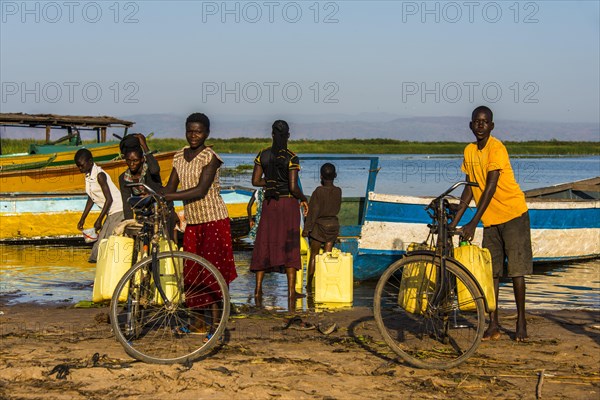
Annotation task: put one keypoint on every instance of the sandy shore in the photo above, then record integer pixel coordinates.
(259, 360)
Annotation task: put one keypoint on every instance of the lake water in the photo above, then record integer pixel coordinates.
(51, 274)
(422, 175)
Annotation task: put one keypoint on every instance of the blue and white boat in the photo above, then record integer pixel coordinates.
(565, 225)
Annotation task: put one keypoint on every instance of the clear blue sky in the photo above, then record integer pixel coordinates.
(528, 60)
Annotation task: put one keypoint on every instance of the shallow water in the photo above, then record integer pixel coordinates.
(47, 273)
(62, 274)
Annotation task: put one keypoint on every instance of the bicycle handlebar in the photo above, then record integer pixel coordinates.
(149, 190)
(436, 205)
(453, 187)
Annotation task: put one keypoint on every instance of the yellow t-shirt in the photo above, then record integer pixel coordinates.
(508, 201)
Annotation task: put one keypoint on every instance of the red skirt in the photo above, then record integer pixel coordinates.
(277, 244)
(212, 241)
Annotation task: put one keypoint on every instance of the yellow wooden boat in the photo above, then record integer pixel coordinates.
(67, 179)
(55, 218)
(101, 152)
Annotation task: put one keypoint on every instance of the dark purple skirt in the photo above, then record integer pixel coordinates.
(277, 244)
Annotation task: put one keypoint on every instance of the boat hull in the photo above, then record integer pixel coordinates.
(560, 231)
(67, 178)
(64, 155)
(56, 217)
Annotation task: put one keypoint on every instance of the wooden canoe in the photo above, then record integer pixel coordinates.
(28, 165)
(67, 178)
(54, 218)
(64, 155)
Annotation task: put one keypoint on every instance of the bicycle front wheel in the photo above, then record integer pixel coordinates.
(179, 325)
(429, 321)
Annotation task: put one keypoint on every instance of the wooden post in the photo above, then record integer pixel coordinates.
(48, 133)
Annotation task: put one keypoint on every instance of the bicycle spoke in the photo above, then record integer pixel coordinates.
(424, 328)
(164, 335)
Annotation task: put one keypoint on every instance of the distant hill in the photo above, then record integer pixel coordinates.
(338, 126)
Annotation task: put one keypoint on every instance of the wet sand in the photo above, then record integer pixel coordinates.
(260, 360)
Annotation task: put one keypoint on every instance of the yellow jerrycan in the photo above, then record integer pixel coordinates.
(334, 277)
(171, 275)
(114, 259)
(479, 262)
(416, 286)
(304, 258)
(417, 283)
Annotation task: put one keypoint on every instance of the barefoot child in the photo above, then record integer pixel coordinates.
(502, 209)
(322, 225)
(101, 191)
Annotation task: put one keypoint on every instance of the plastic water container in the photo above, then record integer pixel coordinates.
(304, 247)
(114, 259)
(334, 280)
(304, 258)
(170, 269)
(418, 281)
(303, 271)
(479, 262)
(300, 273)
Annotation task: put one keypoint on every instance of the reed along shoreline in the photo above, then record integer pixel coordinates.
(355, 146)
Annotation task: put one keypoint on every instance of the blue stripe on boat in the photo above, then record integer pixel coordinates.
(540, 219)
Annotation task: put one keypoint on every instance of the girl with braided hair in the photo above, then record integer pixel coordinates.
(277, 244)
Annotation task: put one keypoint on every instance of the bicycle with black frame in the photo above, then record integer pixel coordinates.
(148, 310)
(428, 306)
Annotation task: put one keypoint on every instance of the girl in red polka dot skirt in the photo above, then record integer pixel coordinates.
(208, 232)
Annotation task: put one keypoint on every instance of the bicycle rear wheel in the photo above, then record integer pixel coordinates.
(183, 328)
(426, 330)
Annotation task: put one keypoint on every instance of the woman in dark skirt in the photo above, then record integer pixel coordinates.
(277, 244)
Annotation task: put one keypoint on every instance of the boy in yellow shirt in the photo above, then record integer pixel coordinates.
(502, 209)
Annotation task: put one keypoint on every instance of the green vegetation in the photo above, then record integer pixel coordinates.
(383, 146)
(11, 146)
(353, 146)
(238, 170)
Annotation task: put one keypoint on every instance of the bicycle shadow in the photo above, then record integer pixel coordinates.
(223, 341)
(364, 333)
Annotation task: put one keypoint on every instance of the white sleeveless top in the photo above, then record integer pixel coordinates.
(93, 189)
